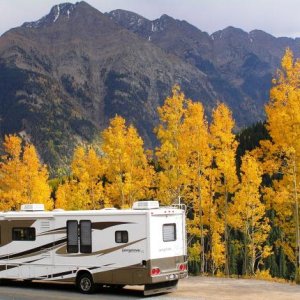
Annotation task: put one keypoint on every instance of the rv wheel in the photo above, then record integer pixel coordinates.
(85, 283)
(117, 286)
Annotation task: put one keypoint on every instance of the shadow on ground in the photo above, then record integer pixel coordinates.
(70, 288)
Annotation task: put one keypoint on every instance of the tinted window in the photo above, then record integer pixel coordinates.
(23, 234)
(72, 236)
(85, 237)
(169, 232)
(121, 236)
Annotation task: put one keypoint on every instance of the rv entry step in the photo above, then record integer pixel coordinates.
(161, 287)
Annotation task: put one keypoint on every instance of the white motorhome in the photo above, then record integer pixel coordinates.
(145, 245)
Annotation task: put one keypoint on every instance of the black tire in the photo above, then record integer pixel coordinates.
(27, 281)
(117, 286)
(85, 283)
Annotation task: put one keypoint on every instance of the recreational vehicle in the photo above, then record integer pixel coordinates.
(145, 245)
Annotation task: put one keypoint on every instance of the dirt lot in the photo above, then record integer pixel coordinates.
(208, 288)
(200, 288)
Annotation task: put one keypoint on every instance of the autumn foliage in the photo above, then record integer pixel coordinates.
(243, 212)
(23, 179)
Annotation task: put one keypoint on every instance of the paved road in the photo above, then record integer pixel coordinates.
(17, 290)
(200, 288)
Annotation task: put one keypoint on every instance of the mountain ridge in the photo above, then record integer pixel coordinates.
(63, 76)
(70, 76)
(239, 65)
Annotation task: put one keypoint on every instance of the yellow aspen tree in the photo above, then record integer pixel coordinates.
(283, 123)
(84, 190)
(248, 214)
(215, 249)
(23, 179)
(194, 144)
(280, 197)
(277, 162)
(128, 173)
(193, 255)
(87, 168)
(224, 148)
(172, 179)
(36, 187)
(72, 195)
(10, 168)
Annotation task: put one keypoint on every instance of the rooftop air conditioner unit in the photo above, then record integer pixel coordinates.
(145, 204)
(32, 207)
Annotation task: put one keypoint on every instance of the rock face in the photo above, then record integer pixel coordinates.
(63, 76)
(239, 65)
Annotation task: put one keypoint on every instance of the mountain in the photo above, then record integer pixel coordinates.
(62, 77)
(239, 65)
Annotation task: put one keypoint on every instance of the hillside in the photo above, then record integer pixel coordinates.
(62, 77)
(239, 65)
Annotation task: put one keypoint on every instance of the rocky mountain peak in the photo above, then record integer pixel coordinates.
(79, 67)
(64, 10)
(165, 19)
(229, 32)
(121, 14)
(128, 19)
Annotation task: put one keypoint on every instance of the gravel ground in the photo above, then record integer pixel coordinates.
(200, 288)
(209, 288)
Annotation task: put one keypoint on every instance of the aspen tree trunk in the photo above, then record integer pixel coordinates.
(200, 216)
(245, 251)
(202, 247)
(122, 191)
(252, 244)
(296, 216)
(226, 233)
(210, 245)
(201, 232)
(92, 198)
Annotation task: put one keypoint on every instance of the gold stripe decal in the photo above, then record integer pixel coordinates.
(62, 250)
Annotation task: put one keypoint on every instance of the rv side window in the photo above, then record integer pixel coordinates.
(169, 232)
(121, 236)
(72, 236)
(85, 237)
(23, 234)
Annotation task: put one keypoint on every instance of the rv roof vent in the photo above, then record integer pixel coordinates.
(145, 205)
(109, 208)
(32, 207)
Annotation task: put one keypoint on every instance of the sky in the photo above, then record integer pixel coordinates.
(277, 17)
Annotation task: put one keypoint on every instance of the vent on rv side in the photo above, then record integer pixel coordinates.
(32, 207)
(145, 205)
